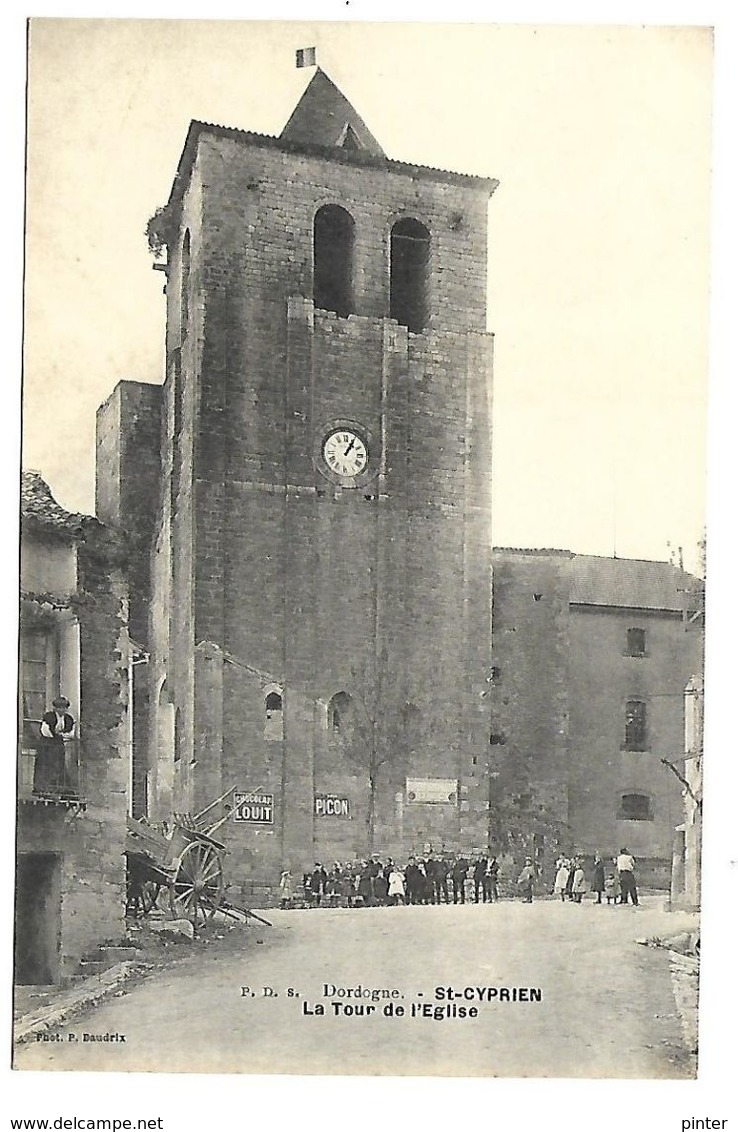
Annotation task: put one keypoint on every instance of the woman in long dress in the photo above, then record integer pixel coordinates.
(598, 877)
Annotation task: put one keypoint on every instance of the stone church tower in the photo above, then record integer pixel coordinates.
(318, 592)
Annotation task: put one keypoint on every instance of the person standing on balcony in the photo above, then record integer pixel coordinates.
(57, 726)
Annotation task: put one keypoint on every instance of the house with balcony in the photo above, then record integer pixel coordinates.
(74, 645)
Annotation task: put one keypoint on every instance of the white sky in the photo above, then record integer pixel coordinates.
(600, 137)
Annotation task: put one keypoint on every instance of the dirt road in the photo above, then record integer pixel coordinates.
(606, 1006)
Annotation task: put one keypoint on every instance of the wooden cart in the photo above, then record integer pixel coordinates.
(183, 859)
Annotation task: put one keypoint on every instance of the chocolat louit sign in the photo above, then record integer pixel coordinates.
(255, 809)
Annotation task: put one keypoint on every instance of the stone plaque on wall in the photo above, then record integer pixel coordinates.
(438, 791)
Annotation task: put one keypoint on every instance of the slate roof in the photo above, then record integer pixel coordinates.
(632, 583)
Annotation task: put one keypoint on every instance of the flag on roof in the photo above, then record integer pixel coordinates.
(305, 57)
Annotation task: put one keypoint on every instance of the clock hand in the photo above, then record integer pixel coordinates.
(351, 445)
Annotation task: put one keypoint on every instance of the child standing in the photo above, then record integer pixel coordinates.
(285, 889)
(562, 876)
(612, 888)
(579, 885)
(396, 886)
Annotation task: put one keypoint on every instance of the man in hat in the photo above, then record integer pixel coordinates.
(317, 883)
(57, 727)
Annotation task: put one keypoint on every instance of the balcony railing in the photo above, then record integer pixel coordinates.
(47, 776)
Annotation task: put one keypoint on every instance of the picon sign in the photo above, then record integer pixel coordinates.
(332, 806)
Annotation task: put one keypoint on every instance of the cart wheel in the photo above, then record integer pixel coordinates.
(197, 889)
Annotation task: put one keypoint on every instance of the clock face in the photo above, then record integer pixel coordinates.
(345, 452)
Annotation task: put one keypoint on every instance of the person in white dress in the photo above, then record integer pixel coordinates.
(396, 890)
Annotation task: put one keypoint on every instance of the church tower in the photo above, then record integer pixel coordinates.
(320, 600)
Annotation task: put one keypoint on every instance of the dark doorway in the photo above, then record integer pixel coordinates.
(37, 919)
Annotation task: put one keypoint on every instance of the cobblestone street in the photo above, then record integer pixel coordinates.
(606, 1009)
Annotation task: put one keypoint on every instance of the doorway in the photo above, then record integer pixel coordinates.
(37, 919)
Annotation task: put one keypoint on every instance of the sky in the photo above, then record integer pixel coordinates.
(598, 237)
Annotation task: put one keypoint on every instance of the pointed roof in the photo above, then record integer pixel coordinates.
(325, 117)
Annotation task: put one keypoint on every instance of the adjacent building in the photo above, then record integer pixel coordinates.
(591, 657)
(74, 644)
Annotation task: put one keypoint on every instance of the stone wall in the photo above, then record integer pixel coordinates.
(530, 693)
(127, 495)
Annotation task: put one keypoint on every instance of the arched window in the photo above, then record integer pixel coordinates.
(184, 288)
(333, 259)
(273, 719)
(409, 257)
(167, 727)
(339, 711)
(635, 807)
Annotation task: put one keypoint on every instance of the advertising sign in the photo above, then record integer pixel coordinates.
(256, 809)
(332, 806)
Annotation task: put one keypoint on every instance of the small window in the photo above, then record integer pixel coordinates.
(178, 735)
(635, 726)
(635, 807)
(333, 260)
(636, 645)
(34, 674)
(184, 285)
(497, 739)
(409, 259)
(273, 720)
(339, 710)
(175, 376)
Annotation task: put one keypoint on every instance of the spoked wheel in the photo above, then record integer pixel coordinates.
(197, 889)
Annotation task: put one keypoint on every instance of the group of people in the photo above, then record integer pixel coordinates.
(431, 879)
(442, 879)
(616, 883)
